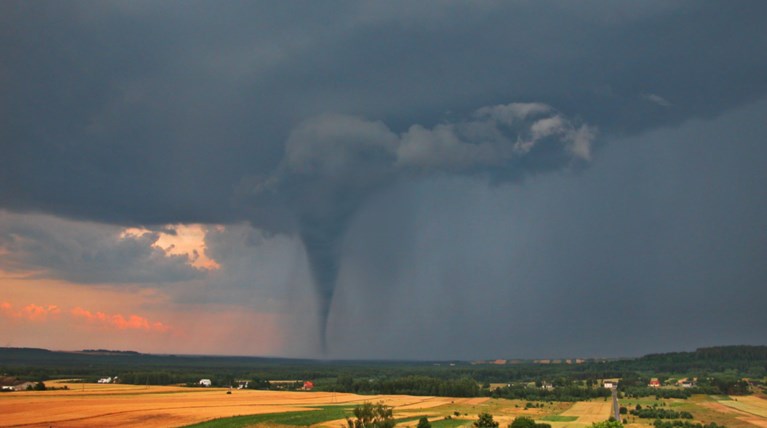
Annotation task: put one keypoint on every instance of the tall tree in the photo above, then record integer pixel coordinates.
(485, 421)
(369, 415)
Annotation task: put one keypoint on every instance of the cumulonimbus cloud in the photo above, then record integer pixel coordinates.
(334, 162)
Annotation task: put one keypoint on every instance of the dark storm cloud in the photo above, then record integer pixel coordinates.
(657, 246)
(149, 113)
(293, 116)
(334, 163)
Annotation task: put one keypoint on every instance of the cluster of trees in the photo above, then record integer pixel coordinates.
(610, 423)
(729, 382)
(566, 393)
(262, 384)
(369, 415)
(659, 393)
(525, 422)
(658, 423)
(485, 420)
(39, 386)
(410, 385)
(156, 378)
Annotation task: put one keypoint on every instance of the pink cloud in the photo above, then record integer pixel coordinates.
(119, 321)
(30, 312)
(40, 313)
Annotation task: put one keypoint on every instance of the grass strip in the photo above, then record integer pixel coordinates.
(450, 423)
(301, 418)
(559, 418)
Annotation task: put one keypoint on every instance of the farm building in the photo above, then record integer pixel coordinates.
(654, 383)
(609, 384)
(205, 382)
(9, 383)
(308, 385)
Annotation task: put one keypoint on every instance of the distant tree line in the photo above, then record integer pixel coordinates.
(410, 385)
(719, 370)
(565, 393)
(657, 413)
(646, 391)
(658, 423)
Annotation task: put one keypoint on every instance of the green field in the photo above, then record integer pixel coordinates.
(559, 418)
(450, 423)
(305, 418)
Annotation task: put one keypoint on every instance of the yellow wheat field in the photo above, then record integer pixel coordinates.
(586, 412)
(94, 405)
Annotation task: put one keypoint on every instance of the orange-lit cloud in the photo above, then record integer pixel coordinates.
(119, 321)
(29, 312)
(132, 318)
(33, 312)
(186, 240)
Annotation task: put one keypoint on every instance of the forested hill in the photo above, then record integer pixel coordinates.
(728, 364)
(744, 359)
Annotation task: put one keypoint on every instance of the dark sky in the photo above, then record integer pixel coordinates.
(397, 179)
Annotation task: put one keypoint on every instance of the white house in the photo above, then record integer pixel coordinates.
(610, 384)
(205, 382)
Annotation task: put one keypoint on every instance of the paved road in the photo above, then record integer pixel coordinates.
(616, 407)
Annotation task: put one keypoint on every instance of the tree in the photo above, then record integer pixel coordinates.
(522, 422)
(485, 421)
(424, 423)
(369, 415)
(345, 383)
(607, 424)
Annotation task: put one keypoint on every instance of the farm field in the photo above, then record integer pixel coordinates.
(581, 414)
(99, 405)
(748, 404)
(723, 410)
(751, 410)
